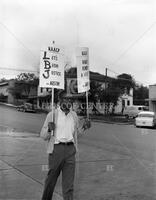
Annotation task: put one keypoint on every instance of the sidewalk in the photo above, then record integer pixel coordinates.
(23, 166)
(112, 119)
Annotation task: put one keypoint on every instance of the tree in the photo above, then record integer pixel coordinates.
(140, 94)
(115, 88)
(3, 80)
(16, 91)
(22, 86)
(94, 93)
(110, 96)
(25, 81)
(125, 82)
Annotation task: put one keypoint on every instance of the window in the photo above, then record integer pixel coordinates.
(128, 102)
(123, 103)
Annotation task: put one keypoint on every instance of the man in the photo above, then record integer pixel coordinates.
(62, 146)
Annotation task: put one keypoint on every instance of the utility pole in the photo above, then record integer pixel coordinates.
(105, 86)
(106, 76)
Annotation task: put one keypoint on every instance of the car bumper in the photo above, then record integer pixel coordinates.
(145, 124)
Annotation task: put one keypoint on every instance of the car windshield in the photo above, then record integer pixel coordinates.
(146, 115)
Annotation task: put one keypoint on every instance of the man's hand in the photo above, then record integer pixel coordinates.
(48, 136)
(51, 126)
(87, 124)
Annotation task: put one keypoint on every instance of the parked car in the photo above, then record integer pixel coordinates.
(146, 119)
(133, 111)
(26, 107)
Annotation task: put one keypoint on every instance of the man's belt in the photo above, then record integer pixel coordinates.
(66, 143)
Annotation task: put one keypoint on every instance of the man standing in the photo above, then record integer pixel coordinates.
(62, 146)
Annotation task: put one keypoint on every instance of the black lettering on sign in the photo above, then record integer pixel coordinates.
(54, 49)
(86, 74)
(54, 58)
(84, 53)
(84, 62)
(45, 55)
(46, 65)
(85, 67)
(56, 73)
(54, 65)
(46, 74)
(54, 83)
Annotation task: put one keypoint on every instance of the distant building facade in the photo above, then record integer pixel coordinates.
(4, 91)
(152, 98)
(44, 94)
(11, 99)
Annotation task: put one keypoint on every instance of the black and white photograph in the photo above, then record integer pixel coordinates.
(78, 100)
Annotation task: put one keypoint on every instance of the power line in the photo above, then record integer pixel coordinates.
(8, 30)
(117, 74)
(20, 70)
(133, 43)
(113, 71)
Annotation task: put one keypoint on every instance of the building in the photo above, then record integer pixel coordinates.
(152, 98)
(43, 98)
(5, 95)
(44, 94)
(8, 97)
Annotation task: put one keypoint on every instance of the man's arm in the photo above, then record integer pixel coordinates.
(81, 124)
(48, 126)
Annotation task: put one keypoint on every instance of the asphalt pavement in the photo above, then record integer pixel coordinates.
(103, 171)
(115, 161)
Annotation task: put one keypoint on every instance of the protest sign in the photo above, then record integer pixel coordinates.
(82, 60)
(52, 76)
(52, 68)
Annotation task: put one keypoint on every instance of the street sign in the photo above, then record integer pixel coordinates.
(52, 68)
(82, 60)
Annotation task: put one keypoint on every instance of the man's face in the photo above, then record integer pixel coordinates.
(65, 105)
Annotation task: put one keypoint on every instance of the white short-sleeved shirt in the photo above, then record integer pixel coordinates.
(65, 126)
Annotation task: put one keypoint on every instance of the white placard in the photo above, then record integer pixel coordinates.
(52, 68)
(82, 60)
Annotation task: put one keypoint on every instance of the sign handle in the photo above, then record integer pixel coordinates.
(52, 104)
(87, 104)
(52, 107)
(50, 144)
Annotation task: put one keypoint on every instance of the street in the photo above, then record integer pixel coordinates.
(115, 162)
(27, 122)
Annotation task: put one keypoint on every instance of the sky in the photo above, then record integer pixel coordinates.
(120, 35)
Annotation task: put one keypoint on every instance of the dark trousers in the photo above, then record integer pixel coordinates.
(61, 160)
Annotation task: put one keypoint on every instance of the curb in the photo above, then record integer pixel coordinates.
(111, 122)
(7, 104)
(9, 131)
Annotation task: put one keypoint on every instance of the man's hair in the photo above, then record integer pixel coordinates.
(62, 94)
